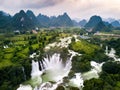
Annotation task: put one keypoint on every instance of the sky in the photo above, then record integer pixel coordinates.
(81, 9)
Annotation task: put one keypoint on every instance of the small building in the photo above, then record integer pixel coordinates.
(84, 37)
(17, 32)
(37, 29)
(34, 32)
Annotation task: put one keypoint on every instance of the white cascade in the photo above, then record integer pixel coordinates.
(35, 77)
(52, 68)
(25, 87)
(35, 70)
(94, 72)
(111, 54)
(24, 73)
(77, 81)
(106, 51)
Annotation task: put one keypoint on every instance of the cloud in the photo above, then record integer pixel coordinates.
(41, 3)
(29, 4)
(75, 8)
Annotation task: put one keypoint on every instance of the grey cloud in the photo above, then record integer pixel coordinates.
(76, 8)
(41, 3)
(33, 4)
(1, 2)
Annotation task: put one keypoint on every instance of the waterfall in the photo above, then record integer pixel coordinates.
(35, 70)
(25, 87)
(97, 66)
(24, 73)
(106, 51)
(35, 77)
(111, 54)
(94, 72)
(41, 65)
(55, 68)
(52, 69)
(77, 81)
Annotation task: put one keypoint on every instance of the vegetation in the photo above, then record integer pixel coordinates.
(79, 64)
(90, 52)
(16, 48)
(83, 47)
(111, 67)
(14, 55)
(114, 43)
(109, 78)
(23, 21)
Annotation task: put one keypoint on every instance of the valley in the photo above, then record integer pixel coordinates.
(58, 59)
(59, 44)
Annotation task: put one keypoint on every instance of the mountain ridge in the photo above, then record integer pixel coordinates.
(29, 21)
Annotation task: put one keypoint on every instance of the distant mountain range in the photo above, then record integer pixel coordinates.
(27, 21)
(22, 21)
(5, 19)
(82, 23)
(94, 20)
(109, 20)
(97, 24)
(115, 23)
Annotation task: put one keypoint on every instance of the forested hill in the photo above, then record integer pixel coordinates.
(97, 24)
(27, 20)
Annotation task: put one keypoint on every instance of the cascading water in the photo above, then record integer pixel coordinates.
(94, 72)
(97, 66)
(77, 81)
(35, 70)
(111, 54)
(53, 70)
(23, 87)
(36, 74)
(35, 77)
(24, 73)
(54, 67)
(106, 51)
